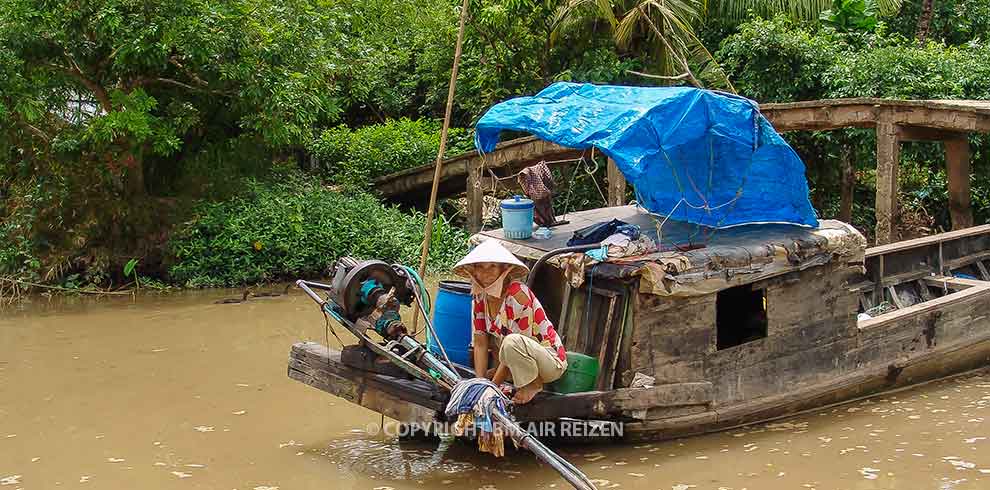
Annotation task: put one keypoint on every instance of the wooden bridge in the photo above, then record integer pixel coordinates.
(946, 121)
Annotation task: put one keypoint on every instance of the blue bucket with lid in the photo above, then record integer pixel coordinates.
(517, 218)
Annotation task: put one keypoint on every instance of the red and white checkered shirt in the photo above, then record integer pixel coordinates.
(520, 313)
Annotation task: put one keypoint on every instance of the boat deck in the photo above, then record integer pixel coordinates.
(695, 254)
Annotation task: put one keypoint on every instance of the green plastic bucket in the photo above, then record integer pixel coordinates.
(581, 374)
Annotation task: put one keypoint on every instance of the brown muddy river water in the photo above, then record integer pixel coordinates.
(176, 392)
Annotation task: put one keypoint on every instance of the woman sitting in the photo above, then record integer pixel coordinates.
(506, 311)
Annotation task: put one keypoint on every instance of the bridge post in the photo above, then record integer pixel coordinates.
(957, 156)
(475, 195)
(616, 185)
(848, 185)
(888, 168)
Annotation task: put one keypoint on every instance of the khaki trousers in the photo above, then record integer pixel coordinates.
(527, 359)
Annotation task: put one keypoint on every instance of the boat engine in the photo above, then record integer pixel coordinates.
(366, 295)
(370, 293)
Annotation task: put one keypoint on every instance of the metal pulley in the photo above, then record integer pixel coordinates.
(357, 286)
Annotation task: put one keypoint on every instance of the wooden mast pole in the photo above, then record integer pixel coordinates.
(431, 211)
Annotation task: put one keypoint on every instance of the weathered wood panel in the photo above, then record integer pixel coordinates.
(915, 368)
(405, 400)
(619, 403)
(811, 320)
(810, 297)
(616, 185)
(671, 337)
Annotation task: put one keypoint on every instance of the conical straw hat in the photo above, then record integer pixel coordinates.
(491, 251)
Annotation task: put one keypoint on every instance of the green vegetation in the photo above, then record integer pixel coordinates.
(175, 135)
(297, 229)
(357, 157)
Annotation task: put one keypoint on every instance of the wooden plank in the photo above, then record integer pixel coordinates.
(954, 283)
(363, 358)
(897, 279)
(957, 161)
(599, 404)
(616, 185)
(619, 343)
(970, 294)
(928, 240)
(564, 311)
(983, 270)
(953, 264)
(575, 319)
(895, 297)
(865, 302)
(841, 388)
(888, 169)
(365, 396)
(603, 350)
(321, 363)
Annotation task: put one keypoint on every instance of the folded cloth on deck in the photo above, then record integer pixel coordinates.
(478, 397)
(465, 395)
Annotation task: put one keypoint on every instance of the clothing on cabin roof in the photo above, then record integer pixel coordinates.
(520, 313)
(537, 183)
(590, 235)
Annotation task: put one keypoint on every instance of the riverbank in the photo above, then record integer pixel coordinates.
(273, 230)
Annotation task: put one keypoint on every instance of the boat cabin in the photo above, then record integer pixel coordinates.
(748, 323)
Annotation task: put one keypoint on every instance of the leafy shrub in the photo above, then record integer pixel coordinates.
(953, 21)
(357, 157)
(601, 65)
(906, 71)
(779, 61)
(297, 229)
(851, 15)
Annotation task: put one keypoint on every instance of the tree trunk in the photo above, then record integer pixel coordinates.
(134, 176)
(924, 21)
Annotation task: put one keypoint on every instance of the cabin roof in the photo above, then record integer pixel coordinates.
(699, 260)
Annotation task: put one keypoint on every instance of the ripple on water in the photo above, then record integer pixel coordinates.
(389, 460)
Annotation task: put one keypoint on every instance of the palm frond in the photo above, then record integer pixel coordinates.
(798, 9)
(889, 7)
(573, 13)
(626, 30)
(709, 66)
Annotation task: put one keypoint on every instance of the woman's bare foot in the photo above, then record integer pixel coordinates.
(526, 393)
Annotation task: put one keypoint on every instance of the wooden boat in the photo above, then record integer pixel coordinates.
(729, 327)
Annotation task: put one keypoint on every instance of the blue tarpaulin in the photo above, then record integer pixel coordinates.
(695, 155)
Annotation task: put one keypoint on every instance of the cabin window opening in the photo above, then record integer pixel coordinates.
(740, 316)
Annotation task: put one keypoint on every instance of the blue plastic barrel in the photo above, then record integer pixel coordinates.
(452, 321)
(517, 218)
